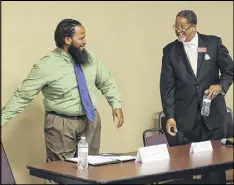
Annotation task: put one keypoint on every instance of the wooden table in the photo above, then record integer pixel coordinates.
(181, 164)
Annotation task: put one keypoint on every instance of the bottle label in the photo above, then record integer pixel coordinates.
(207, 100)
(83, 150)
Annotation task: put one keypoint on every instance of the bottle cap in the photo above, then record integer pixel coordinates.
(83, 137)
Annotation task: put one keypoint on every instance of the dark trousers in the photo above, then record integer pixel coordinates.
(200, 132)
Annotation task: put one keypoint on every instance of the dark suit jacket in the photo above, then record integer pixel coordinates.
(181, 91)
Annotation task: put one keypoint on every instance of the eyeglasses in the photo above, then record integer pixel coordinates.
(181, 27)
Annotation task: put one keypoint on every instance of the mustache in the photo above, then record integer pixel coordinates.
(178, 33)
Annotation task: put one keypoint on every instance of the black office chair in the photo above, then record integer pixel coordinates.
(6, 172)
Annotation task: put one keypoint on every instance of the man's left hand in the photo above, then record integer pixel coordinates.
(213, 91)
(118, 117)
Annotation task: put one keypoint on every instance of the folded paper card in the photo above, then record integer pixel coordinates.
(152, 153)
(201, 147)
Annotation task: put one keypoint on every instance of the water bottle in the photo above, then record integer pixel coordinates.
(82, 154)
(205, 111)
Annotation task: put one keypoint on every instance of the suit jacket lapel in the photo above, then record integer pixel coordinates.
(201, 44)
(185, 58)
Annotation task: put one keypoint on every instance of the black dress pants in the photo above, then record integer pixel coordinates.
(200, 132)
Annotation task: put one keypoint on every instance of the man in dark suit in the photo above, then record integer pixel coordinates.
(190, 69)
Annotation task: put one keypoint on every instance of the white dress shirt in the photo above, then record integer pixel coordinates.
(191, 51)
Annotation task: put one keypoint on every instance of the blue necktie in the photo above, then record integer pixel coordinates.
(84, 93)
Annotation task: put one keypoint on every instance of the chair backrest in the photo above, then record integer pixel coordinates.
(157, 139)
(6, 172)
(230, 123)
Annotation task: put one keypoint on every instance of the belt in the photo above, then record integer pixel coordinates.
(66, 116)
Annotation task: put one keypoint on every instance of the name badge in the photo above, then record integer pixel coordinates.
(201, 50)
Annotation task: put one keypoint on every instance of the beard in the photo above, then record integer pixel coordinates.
(181, 37)
(79, 56)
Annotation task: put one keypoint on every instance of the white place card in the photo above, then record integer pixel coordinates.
(152, 153)
(201, 147)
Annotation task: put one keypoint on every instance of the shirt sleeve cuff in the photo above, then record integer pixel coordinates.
(223, 93)
(116, 105)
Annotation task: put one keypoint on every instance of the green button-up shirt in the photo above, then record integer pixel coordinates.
(54, 75)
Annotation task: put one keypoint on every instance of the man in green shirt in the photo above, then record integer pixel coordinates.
(69, 78)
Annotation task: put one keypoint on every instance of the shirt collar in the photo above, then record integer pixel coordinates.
(193, 42)
(64, 54)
